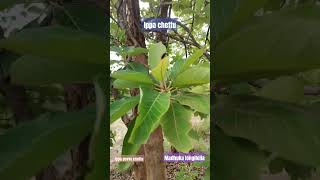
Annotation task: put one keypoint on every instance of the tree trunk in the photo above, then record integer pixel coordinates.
(77, 96)
(153, 167)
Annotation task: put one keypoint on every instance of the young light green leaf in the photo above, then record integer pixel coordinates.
(198, 102)
(283, 128)
(160, 71)
(193, 76)
(277, 53)
(176, 124)
(59, 43)
(153, 105)
(193, 58)
(182, 64)
(122, 106)
(155, 53)
(31, 70)
(134, 76)
(41, 141)
(128, 148)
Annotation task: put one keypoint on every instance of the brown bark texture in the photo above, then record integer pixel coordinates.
(153, 168)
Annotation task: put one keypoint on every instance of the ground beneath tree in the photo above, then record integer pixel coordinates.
(172, 170)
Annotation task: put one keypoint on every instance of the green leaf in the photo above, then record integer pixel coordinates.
(229, 16)
(93, 20)
(263, 51)
(135, 51)
(235, 160)
(128, 148)
(193, 76)
(198, 102)
(193, 58)
(153, 105)
(122, 106)
(287, 89)
(155, 53)
(176, 124)
(290, 131)
(31, 70)
(123, 84)
(160, 71)
(176, 68)
(41, 141)
(98, 137)
(134, 76)
(199, 5)
(181, 65)
(134, 66)
(59, 43)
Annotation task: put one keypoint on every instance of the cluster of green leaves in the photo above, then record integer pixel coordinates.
(67, 53)
(165, 99)
(257, 124)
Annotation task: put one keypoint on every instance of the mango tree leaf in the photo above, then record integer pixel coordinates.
(31, 70)
(123, 84)
(193, 76)
(235, 160)
(134, 76)
(134, 66)
(290, 131)
(287, 89)
(176, 124)
(128, 148)
(59, 43)
(160, 71)
(153, 105)
(122, 106)
(198, 102)
(41, 141)
(263, 51)
(181, 65)
(193, 58)
(176, 68)
(155, 53)
(229, 16)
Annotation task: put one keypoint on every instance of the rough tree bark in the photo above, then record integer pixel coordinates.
(153, 168)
